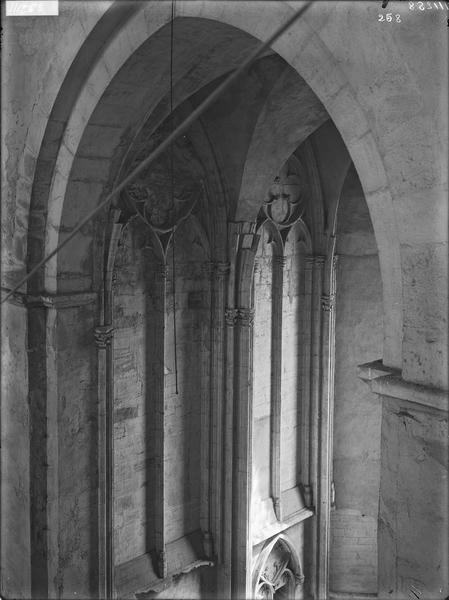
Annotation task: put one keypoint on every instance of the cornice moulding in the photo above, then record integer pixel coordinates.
(388, 382)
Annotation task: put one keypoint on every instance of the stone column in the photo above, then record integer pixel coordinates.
(325, 424)
(306, 413)
(276, 382)
(48, 431)
(315, 366)
(230, 316)
(299, 587)
(103, 340)
(155, 393)
(319, 554)
(241, 547)
(220, 273)
(44, 463)
(243, 244)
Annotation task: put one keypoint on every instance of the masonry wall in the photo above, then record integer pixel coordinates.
(413, 564)
(130, 412)
(396, 131)
(15, 472)
(262, 368)
(72, 418)
(141, 365)
(187, 402)
(357, 415)
(292, 344)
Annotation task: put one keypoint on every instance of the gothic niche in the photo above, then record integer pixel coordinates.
(278, 574)
(285, 203)
(166, 192)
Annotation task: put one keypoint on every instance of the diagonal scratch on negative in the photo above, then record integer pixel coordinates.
(166, 143)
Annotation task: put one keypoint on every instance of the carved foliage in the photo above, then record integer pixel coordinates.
(165, 192)
(278, 572)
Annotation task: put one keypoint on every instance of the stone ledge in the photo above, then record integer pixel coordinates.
(137, 578)
(293, 509)
(72, 300)
(386, 381)
(17, 298)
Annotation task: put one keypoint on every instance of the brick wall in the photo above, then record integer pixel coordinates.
(354, 552)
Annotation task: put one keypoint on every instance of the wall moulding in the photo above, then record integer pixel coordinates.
(388, 382)
(51, 300)
(16, 299)
(62, 301)
(137, 577)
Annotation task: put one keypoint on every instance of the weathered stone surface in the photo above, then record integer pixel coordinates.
(413, 519)
(15, 465)
(77, 89)
(356, 470)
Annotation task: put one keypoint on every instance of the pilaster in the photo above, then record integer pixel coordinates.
(42, 313)
(220, 273)
(276, 383)
(306, 412)
(154, 398)
(103, 340)
(243, 242)
(242, 550)
(325, 421)
(319, 582)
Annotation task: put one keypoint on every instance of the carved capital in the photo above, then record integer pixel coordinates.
(256, 267)
(279, 260)
(103, 335)
(319, 260)
(114, 278)
(243, 227)
(231, 316)
(334, 261)
(308, 261)
(245, 317)
(328, 302)
(221, 269)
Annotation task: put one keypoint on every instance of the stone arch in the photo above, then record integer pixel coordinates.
(292, 562)
(304, 50)
(290, 114)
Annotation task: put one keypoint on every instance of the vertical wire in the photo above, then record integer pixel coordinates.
(173, 194)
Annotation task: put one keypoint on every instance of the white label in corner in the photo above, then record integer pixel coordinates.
(32, 8)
